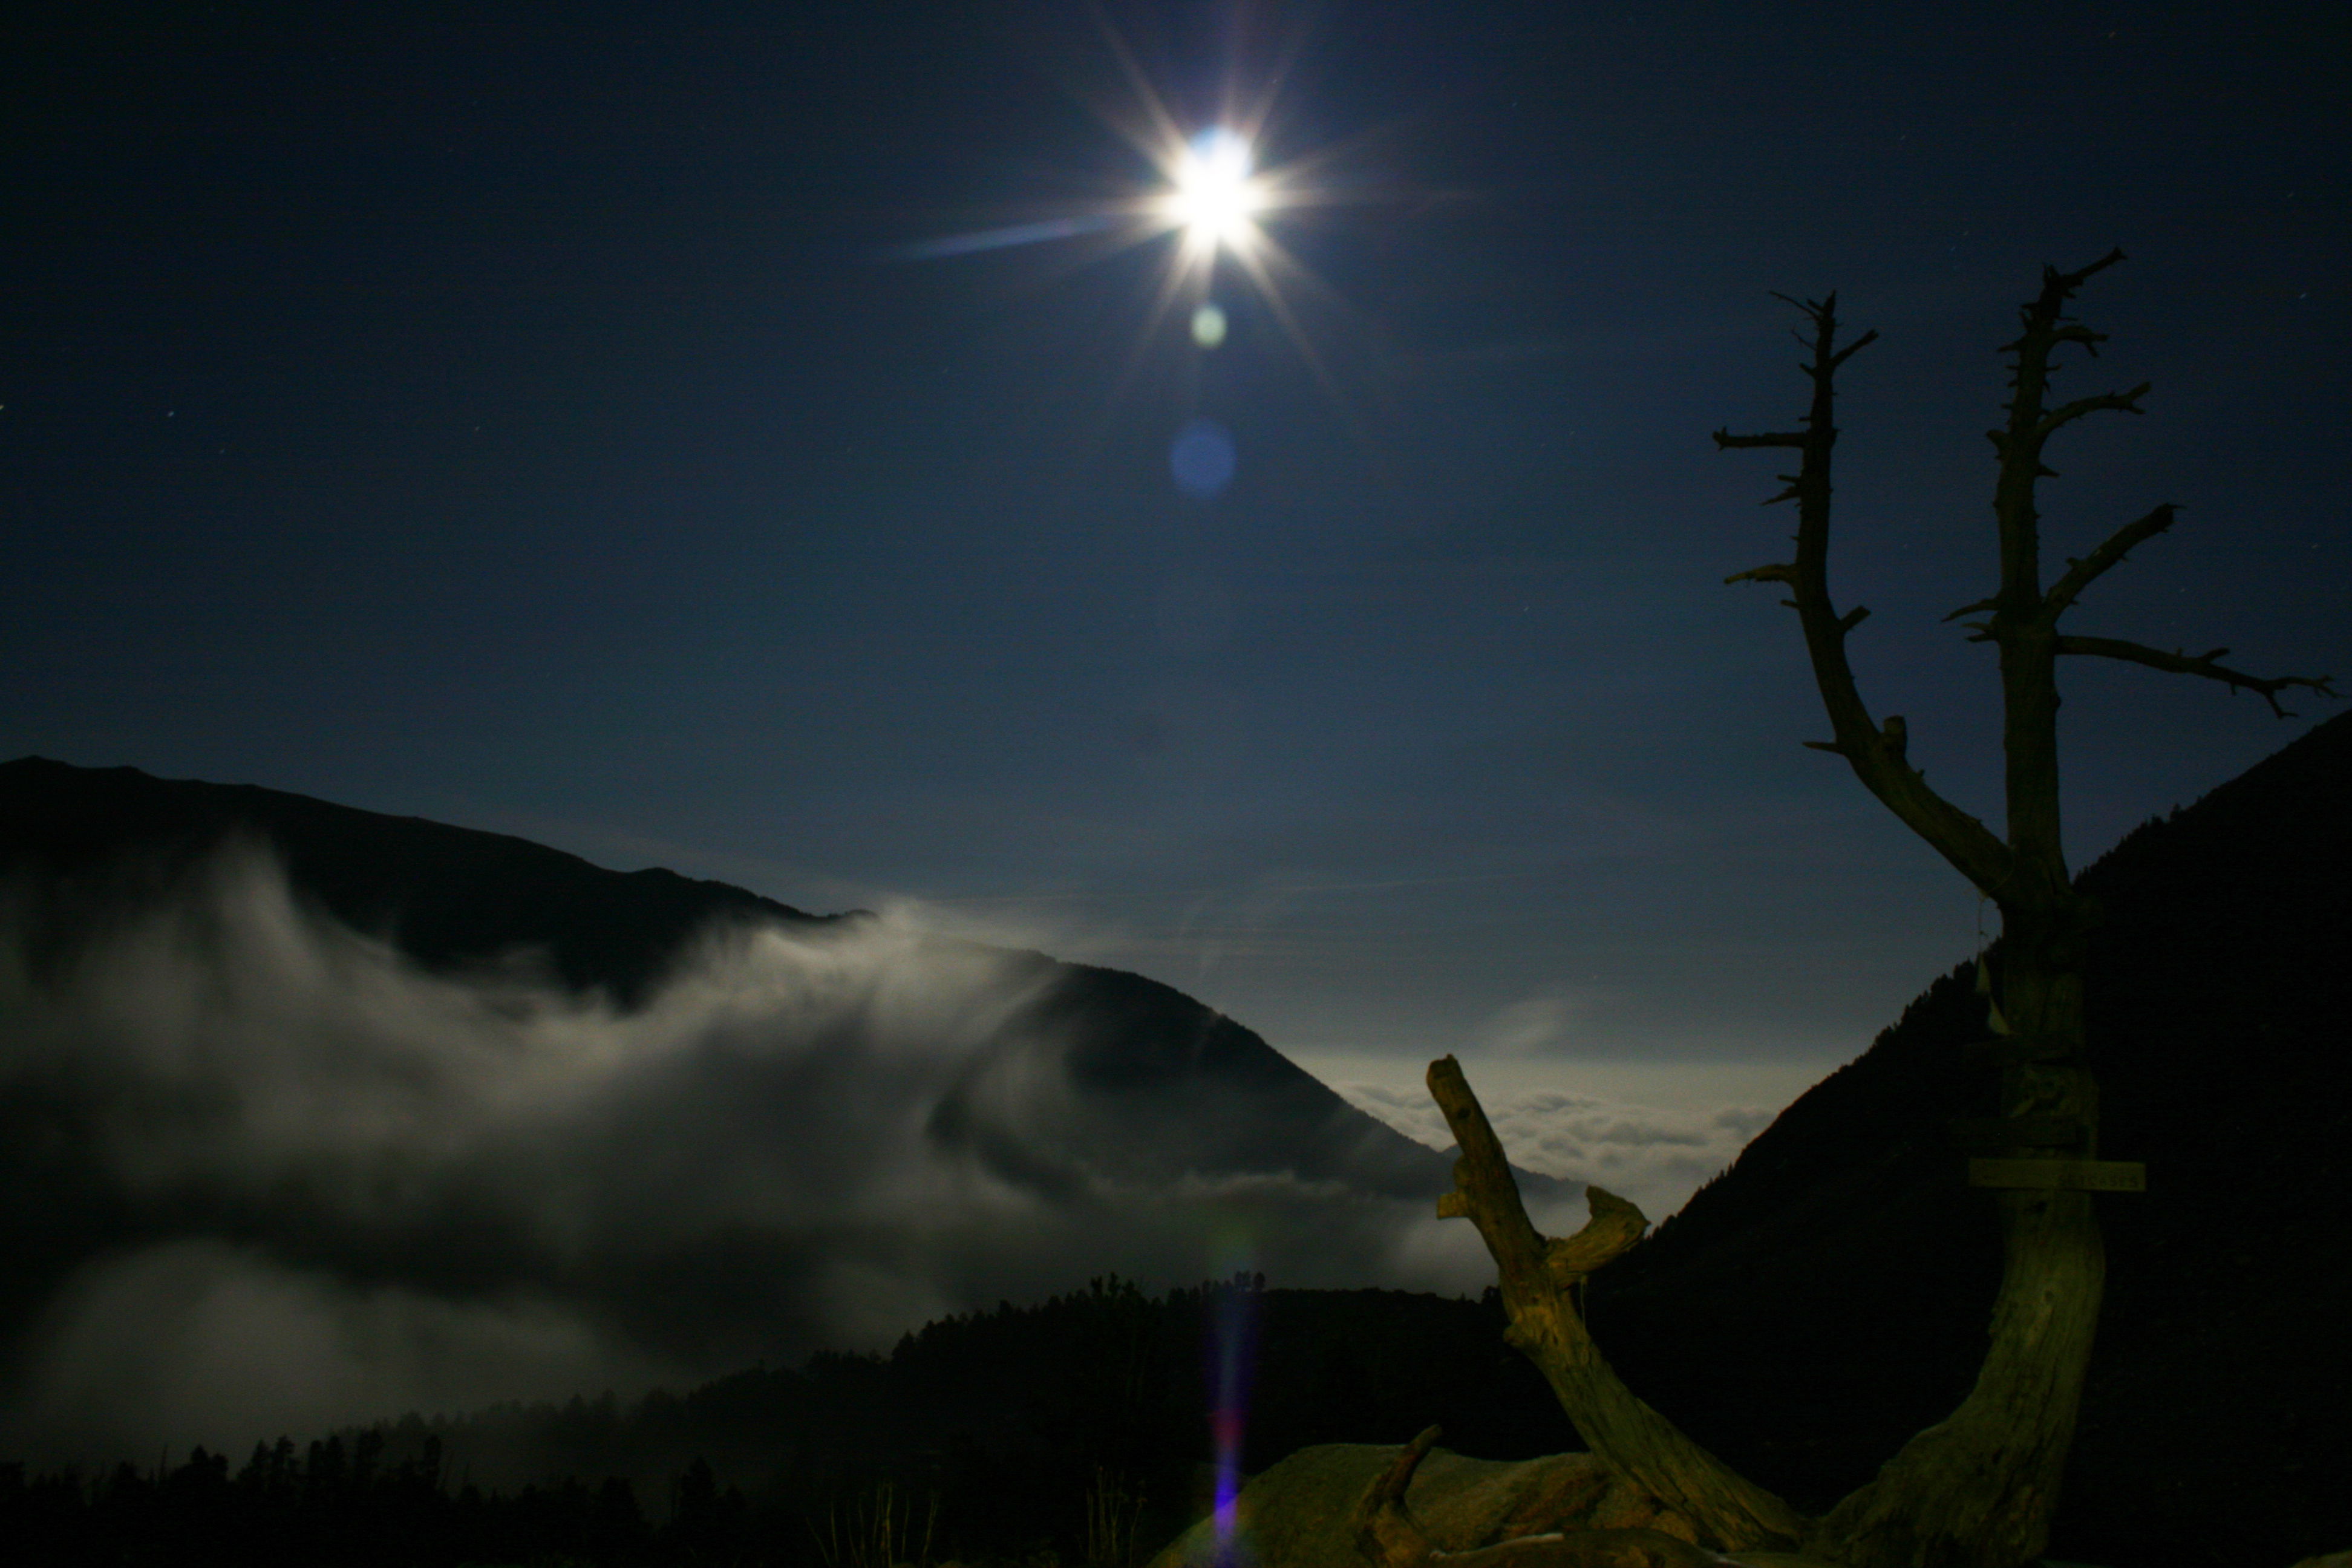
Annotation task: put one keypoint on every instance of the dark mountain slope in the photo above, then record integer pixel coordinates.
(96, 842)
(1827, 1296)
(1012, 1410)
(1188, 1078)
(1082, 1076)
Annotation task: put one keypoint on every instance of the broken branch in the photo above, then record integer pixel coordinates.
(2204, 664)
(1967, 843)
(1386, 1532)
(2067, 413)
(2081, 575)
(1723, 438)
(1538, 1279)
(1852, 348)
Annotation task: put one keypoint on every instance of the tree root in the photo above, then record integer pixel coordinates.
(1390, 1537)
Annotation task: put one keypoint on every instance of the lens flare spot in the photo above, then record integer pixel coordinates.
(1202, 458)
(1232, 1328)
(1208, 326)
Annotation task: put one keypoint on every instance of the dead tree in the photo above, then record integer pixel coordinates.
(1977, 1490)
(1387, 1533)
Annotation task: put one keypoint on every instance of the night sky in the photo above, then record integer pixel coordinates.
(633, 428)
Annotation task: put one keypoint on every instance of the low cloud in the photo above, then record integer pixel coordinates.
(180, 1339)
(1536, 1025)
(1656, 1156)
(266, 1175)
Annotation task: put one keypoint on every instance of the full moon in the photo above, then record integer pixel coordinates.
(1214, 195)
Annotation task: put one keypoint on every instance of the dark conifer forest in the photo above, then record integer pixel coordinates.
(1077, 1430)
(1808, 1310)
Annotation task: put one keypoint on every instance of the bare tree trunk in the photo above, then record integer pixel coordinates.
(1979, 1487)
(1977, 1490)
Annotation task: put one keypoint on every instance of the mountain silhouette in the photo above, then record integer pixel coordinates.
(1828, 1295)
(94, 844)
(1160, 1087)
(1809, 1310)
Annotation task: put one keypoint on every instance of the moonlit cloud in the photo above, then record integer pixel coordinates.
(192, 1340)
(1651, 1135)
(286, 1179)
(1535, 1024)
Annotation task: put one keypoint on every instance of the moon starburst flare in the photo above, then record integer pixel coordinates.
(1208, 197)
(1215, 194)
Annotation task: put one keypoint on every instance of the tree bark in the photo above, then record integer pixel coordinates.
(1390, 1537)
(1977, 1490)
(1540, 1279)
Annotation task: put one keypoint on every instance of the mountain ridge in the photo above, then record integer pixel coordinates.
(95, 841)
(1827, 1296)
(120, 832)
(264, 1048)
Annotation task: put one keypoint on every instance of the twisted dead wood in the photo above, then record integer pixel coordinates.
(1390, 1537)
(1540, 1276)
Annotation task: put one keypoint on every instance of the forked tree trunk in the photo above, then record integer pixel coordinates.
(1540, 1278)
(1977, 1490)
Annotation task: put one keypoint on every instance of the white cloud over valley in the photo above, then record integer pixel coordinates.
(1652, 1134)
(269, 1175)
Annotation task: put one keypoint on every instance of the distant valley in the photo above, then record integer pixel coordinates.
(314, 1111)
(1809, 1309)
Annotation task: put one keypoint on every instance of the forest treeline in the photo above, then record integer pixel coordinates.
(1800, 1317)
(1074, 1431)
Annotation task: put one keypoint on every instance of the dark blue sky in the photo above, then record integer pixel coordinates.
(525, 416)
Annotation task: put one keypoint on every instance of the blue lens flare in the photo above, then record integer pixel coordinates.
(1233, 1331)
(1202, 458)
(1003, 238)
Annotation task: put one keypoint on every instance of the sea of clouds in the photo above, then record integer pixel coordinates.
(1654, 1154)
(262, 1174)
